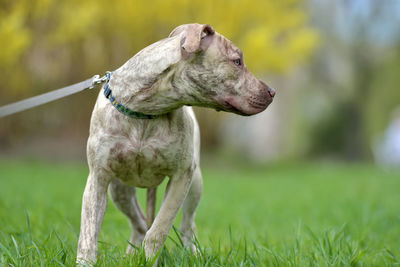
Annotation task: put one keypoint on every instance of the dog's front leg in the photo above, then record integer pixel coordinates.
(177, 190)
(93, 208)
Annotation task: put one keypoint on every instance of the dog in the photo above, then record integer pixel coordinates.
(143, 130)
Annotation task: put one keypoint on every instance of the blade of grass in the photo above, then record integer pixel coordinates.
(38, 251)
(178, 234)
(16, 246)
(28, 222)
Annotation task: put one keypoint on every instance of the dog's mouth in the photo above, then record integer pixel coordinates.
(246, 109)
(229, 107)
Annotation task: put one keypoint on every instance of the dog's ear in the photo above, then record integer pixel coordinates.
(192, 35)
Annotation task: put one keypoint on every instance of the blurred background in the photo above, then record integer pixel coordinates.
(335, 65)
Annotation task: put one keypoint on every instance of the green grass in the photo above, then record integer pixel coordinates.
(298, 214)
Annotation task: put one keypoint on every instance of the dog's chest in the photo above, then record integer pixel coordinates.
(145, 155)
(143, 163)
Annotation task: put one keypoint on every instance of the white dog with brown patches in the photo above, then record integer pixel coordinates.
(143, 131)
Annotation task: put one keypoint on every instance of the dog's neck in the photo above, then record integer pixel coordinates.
(147, 83)
(153, 97)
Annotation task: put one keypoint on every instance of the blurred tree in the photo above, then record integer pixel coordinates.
(357, 37)
(274, 33)
(46, 44)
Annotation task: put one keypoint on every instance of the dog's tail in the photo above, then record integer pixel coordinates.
(151, 206)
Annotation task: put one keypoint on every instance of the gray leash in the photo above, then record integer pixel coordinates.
(50, 96)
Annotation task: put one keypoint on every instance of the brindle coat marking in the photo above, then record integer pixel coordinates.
(193, 66)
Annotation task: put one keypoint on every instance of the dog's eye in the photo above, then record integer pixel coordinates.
(237, 62)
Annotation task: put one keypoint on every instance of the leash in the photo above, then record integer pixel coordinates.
(51, 96)
(69, 90)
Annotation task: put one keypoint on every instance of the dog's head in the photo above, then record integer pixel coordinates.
(217, 75)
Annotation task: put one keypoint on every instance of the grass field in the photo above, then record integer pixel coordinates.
(297, 214)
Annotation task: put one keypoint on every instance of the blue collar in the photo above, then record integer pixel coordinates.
(121, 108)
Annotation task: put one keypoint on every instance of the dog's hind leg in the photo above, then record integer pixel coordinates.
(124, 198)
(151, 205)
(188, 227)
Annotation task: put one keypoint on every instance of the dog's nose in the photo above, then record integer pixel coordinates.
(266, 88)
(271, 91)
